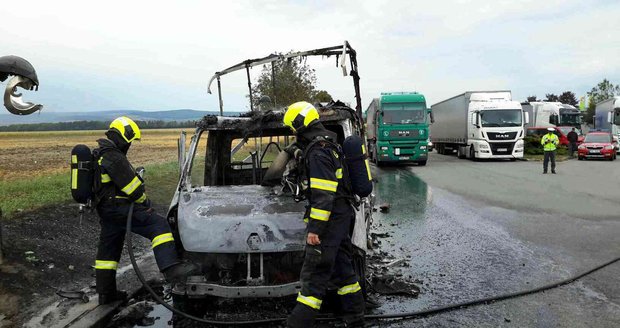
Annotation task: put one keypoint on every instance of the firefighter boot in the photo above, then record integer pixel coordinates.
(107, 298)
(179, 272)
(302, 317)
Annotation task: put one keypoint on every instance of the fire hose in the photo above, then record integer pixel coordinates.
(401, 315)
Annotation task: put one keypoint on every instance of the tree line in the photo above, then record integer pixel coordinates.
(94, 125)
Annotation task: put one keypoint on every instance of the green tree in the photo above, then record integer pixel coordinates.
(602, 91)
(551, 97)
(294, 81)
(531, 98)
(569, 98)
(322, 96)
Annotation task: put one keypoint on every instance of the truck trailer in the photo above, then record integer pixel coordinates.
(397, 128)
(607, 116)
(479, 124)
(552, 114)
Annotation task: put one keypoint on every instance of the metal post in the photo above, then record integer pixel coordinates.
(247, 70)
(219, 93)
(273, 82)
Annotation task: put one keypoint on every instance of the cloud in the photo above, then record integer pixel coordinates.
(160, 55)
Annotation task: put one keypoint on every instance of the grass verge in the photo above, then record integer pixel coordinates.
(25, 195)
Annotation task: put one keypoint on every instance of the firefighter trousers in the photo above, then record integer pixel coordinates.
(329, 264)
(113, 220)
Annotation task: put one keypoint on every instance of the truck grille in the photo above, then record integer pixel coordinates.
(502, 136)
(405, 133)
(504, 148)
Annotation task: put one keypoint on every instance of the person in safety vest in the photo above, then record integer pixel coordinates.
(117, 186)
(329, 216)
(549, 142)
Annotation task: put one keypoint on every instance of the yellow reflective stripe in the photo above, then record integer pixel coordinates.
(74, 177)
(323, 184)
(141, 199)
(310, 301)
(122, 197)
(367, 163)
(132, 186)
(339, 173)
(100, 159)
(350, 289)
(318, 214)
(368, 169)
(163, 238)
(105, 178)
(74, 172)
(306, 220)
(106, 265)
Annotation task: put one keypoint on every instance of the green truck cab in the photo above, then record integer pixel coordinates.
(397, 128)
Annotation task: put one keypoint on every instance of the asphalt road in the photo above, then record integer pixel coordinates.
(477, 229)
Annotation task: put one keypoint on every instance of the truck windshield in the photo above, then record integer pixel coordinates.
(404, 113)
(570, 119)
(501, 118)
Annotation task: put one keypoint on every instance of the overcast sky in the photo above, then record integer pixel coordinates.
(151, 55)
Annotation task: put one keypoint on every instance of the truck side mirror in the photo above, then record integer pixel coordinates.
(430, 113)
(475, 119)
(610, 117)
(526, 119)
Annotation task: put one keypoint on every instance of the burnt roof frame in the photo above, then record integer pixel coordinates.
(340, 51)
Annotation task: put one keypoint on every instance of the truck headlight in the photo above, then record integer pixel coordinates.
(484, 146)
(384, 148)
(422, 147)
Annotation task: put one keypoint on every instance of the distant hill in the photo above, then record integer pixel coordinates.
(106, 116)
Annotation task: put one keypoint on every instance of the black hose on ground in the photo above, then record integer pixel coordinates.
(402, 315)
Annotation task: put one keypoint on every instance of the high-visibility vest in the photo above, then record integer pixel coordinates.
(551, 146)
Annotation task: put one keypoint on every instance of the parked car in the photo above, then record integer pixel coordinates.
(598, 145)
(541, 131)
(566, 129)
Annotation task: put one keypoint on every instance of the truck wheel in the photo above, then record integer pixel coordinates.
(422, 163)
(460, 153)
(440, 150)
(472, 153)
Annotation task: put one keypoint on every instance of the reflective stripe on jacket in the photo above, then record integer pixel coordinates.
(549, 141)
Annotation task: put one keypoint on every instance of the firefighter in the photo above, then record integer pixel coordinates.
(329, 216)
(549, 142)
(116, 186)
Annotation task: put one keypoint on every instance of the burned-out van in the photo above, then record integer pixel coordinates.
(248, 234)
